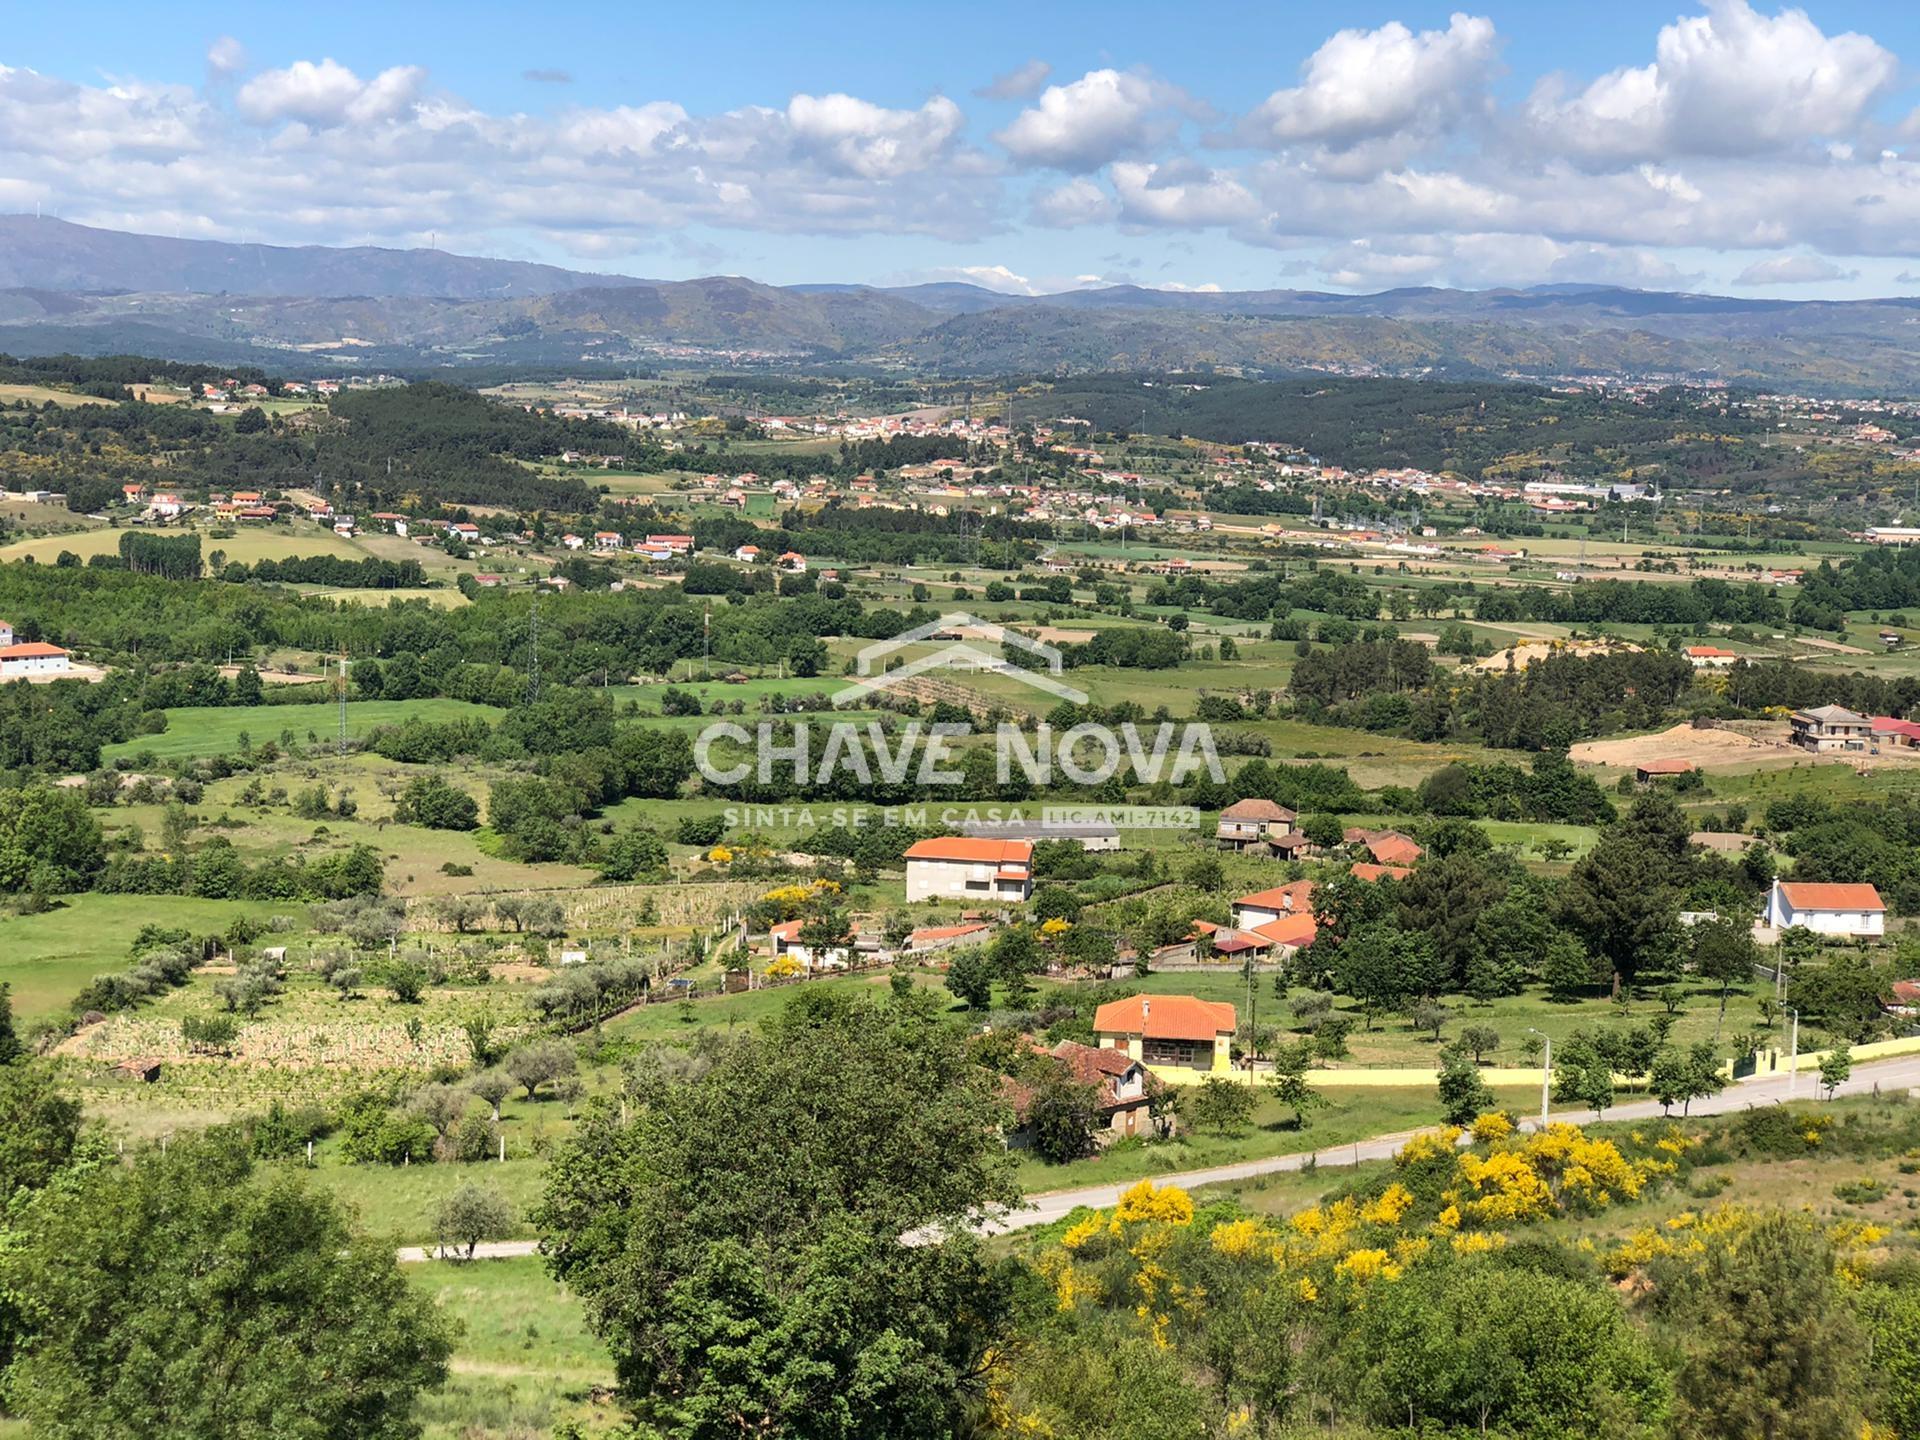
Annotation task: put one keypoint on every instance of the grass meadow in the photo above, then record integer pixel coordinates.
(198, 730)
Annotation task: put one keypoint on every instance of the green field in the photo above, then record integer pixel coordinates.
(399, 1204)
(247, 544)
(212, 730)
(47, 958)
(525, 1361)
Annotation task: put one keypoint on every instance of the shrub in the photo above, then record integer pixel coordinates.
(282, 1134)
(477, 1138)
(372, 1133)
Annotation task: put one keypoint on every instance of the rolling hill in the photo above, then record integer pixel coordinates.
(314, 309)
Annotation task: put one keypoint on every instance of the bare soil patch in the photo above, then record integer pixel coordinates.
(1760, 743)
(1528, 651)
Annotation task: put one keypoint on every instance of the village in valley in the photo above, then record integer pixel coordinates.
(1060, 725)
(1230, 808)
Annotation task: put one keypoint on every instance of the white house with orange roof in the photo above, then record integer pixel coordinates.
(1263, 906)
(31, 658)
(1853, 910)
(788, 945)
(1710, 657)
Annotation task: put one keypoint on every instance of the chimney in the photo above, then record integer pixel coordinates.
(1146, 1008)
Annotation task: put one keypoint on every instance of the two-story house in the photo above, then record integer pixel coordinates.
(1169, 1032)
(956, 867)
(1830, 728)
(1252, 822)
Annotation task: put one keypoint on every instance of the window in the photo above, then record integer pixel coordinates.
(1171, 1052)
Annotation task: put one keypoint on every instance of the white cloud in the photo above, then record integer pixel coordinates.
(1493, 261)
(997, 278)
(1730, 82)
(1078, 202)
(1364, 85)
(1023, 82)
(314, 153)
(1793, 270)
(226, 57)
(1101, 116)
(327, 93)
(1183, 195)
(1749, 133)
(870, 140)
(627, 130)
(1670, 182)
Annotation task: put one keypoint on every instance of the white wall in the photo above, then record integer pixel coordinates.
(1826, 922)
(34, 665)
(947, 879)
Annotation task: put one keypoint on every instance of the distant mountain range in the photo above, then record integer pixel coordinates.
(314, 308)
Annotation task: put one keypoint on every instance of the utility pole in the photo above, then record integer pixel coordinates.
(343, 699)
(706, 642)
(533, 642)
(1252, 1016)
(1546, 1071)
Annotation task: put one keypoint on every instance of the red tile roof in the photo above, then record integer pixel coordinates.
(1362, 870)
(1228, 941)
(1810, 896)
(1295, 895)
(1297, 930)
(927, 934)
(1256, 809)
(29, 650)
(1394, 850)
(977, 852)
(1088, 1062)
(1164, 1017)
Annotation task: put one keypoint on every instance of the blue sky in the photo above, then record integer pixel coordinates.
(1726, 147)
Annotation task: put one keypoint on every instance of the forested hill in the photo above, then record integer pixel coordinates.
(1365, 424)
(67, 287)
(54, 255)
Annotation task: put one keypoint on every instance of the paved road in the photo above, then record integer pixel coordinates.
(1868, 1079)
